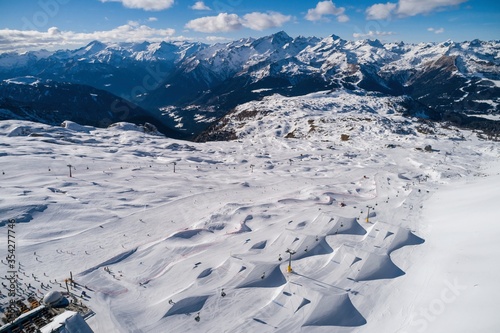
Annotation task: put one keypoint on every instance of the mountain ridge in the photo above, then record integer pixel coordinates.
(190, 85)
(55, 102)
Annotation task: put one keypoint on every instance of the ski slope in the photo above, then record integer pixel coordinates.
(158, 249)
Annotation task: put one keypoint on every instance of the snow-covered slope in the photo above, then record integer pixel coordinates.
(193, 237)
(326, 115)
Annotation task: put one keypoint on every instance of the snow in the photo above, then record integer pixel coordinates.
(451, 285)
(157, 248)
(312, 116)
(496, 83)
(487, 101)
(463, 232)
(489, 116)
(31, 80)
(76, 127)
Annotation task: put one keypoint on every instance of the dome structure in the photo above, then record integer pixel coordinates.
(54, 298)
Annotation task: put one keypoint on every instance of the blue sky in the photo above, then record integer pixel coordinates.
(50, 24)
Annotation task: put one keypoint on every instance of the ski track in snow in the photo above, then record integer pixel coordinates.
(157, 248)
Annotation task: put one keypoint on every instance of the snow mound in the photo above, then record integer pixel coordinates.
(72, 126)
(116, 259)
(404, 237)
(335, 310)
(342, 225)
(205, 273)
(375, 266)
(124, 126)
(187, 234)
(263, 275)
(20, 131)
(187, 305)
(259, 245)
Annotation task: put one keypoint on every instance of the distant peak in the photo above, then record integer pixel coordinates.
(95, 43)
(281, 34)
(332, 39)
(95, 46)
(475, 42)
(375, 43)
(281, 38)
(447, 43)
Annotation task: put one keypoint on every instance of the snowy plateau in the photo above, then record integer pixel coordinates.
(388, 221)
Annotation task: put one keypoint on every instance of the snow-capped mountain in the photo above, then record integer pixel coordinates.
(192, 85)
(119, 68)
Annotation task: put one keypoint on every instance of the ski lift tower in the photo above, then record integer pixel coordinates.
(368, 214)
(289, 268)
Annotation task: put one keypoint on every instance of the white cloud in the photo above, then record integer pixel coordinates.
(325, 8)
(436, 31)
(262, 21)
(153, 5)
(404, 8)
(223, 22)
(200, 5)
(380, 11)
(53, 38)
(373, 34)
(53, 31)
(217, 39)
(342, 18)
(152, 19)
(416, 7)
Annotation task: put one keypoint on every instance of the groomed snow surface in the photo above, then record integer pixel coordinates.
(199, 249)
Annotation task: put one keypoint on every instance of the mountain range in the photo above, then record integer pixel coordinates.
(187, 88)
